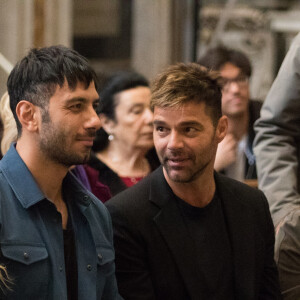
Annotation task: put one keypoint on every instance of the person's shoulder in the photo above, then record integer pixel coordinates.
(15, 175)
(248, 200)
(245, 193)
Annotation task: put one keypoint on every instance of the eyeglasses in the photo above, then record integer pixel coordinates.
(241, 80)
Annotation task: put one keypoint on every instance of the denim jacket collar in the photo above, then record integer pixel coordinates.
(20, 178)
(24, 185)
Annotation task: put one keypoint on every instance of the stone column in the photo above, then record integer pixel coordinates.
(58, 22)
(19, 32)
(151, 36)
(162, 34)
(16, 27)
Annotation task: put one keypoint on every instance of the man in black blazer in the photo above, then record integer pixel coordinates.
(185, 232)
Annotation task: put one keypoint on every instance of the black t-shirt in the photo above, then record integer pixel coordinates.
(208, 230)
(70, 262)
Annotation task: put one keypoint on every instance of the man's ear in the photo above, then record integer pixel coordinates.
(28, 115)
(221, 129)
(107, 124)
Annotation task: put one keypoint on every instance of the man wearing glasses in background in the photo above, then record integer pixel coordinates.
(235, 154)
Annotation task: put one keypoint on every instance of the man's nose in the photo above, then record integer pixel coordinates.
(175, 141)
(234, 87)
(93, 120)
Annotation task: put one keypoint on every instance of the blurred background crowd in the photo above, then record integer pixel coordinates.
(148, 35)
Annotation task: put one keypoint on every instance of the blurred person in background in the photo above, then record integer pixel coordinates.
(235, 156)
(10, 132)
(277, 149)
(123, 149)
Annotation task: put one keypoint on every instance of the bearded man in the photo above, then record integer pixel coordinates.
(55, 236)
(186, 232)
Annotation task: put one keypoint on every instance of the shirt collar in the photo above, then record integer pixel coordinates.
(25, 187)
(20, 178)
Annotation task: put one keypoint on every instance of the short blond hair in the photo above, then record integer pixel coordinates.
(10, 132)
(181, 83)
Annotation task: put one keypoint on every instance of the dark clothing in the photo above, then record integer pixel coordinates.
(70, 261)
(70, 264)
(155, 253)
(108, 177)
(208, 230)
(254, 114)
(32, 243)
(287, 255)
(100, 190)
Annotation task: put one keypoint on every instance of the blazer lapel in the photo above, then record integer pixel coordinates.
(173, 229)
(238, 218)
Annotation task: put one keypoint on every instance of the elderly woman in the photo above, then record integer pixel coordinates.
(123, 150)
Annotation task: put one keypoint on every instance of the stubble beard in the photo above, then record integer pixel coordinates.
(53, 146)
(187, 175)
(183, 174)
(55, 149)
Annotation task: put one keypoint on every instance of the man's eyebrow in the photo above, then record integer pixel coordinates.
(158, 122)
(191, 123)
(185, 123)
(80, 99)
(138, 104)
(76, 99)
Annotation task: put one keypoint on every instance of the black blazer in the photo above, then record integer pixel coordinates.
(154, 253)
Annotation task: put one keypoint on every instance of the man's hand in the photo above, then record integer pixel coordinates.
(226, 153)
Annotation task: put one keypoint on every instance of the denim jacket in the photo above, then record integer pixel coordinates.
(31, 238)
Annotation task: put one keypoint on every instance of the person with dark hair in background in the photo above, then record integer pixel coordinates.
(185, 231)
(55, 236)
(235, 156)
(123, 149)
